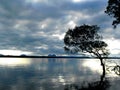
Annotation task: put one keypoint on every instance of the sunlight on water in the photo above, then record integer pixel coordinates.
(14, 61)
(61, 79)
(93, 65)
(49, 73)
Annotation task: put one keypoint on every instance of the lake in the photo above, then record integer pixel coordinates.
(54, 74)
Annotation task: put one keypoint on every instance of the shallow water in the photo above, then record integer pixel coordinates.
(52, 73)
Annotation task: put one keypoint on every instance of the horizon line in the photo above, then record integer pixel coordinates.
(15, 56)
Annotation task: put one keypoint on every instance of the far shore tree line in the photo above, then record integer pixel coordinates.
(86, 39)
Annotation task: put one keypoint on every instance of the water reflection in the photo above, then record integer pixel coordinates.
(93, 65)
(14, 61)
(47, 74)
(98, 85)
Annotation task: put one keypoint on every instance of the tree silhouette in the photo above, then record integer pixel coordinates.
(85, 38)
(113, 10)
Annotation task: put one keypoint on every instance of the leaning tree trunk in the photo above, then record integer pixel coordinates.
(103, 67)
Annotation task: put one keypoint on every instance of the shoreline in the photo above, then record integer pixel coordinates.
(9, 56)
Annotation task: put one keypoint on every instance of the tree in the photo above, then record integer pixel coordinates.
(85, 38)
(113, 10)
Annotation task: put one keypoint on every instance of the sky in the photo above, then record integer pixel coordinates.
(37, 27)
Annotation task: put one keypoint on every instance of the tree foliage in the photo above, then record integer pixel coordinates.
(85, 39)
(113, 10)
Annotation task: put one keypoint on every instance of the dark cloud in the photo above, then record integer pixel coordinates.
(86, 7)
(39, 27)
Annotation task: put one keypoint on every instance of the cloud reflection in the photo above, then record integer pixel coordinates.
(12, 62)
(42, 74)
(93, 65)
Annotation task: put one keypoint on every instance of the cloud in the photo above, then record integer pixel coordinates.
(39, 26)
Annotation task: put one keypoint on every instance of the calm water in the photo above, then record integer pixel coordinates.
(52, 74)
